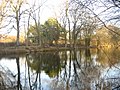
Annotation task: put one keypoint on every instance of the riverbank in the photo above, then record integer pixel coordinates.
(30, 49)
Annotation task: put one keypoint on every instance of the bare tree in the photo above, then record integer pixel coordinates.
(81, 21)
(63, 21)
(34, 14)
(13, 12)
(4, 22)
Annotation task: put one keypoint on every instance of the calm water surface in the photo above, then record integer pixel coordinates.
(89, 69)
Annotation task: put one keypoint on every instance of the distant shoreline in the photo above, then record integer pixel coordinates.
(30, 49)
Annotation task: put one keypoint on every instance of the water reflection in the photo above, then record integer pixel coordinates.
(89, 69)
(18, 79)
(49, 62)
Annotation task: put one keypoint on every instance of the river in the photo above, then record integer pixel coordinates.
(81, 69)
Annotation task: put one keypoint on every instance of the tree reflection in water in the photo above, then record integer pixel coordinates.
(79, 73)
(89, 69)
(47, 62)
(19, 87)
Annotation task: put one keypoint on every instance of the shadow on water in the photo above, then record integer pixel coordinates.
(89, 69)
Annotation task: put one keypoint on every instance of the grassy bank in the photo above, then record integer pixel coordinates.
(30, 49)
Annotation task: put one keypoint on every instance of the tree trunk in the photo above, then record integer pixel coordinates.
(74, 35)
(18, 30)
(69, 31)
(87, 42)
(65, 39)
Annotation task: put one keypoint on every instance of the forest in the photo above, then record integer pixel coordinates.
(80, 24)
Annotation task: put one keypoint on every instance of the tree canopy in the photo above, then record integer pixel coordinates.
(49, 31)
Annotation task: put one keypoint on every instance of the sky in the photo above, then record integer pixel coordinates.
(50, 8)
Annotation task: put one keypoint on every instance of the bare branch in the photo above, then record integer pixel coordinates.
(99, 18)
